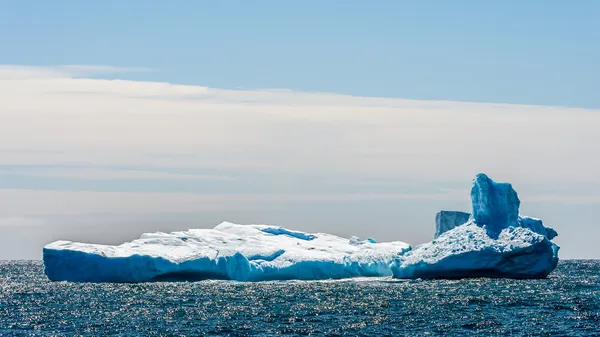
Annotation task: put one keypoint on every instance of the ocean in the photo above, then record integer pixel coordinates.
(567, 303)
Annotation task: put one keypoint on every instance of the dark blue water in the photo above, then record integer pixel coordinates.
(565, 304)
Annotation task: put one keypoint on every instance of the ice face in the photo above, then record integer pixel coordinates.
(447, 220)
(229, 251)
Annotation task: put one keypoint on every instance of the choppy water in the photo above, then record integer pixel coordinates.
(565, 304)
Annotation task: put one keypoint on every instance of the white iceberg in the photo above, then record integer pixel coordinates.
(493, 241)
(229, 251)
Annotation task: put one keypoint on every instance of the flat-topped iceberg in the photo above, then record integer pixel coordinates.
(492, 241)
(229, 252)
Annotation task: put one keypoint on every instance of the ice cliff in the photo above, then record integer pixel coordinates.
(493, 241)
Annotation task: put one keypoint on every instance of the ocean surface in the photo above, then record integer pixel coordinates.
(565, 304)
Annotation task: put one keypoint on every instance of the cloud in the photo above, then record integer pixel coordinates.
(21, 221)
(113, 174)
(19, 202)
(78, 70)
(17, 72)
(64, 120)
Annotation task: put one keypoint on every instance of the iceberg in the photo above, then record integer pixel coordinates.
(228, 252)
(494, 241)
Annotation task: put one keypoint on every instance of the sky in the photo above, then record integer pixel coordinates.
(354, 118)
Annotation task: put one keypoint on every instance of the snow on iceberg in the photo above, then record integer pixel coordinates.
(229, 251)
(494, 241)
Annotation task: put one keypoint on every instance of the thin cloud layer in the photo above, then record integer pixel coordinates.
(40, 203)
(15, 72)
(112, 174)
(68, 120)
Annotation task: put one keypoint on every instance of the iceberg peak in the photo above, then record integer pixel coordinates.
(495, 205)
